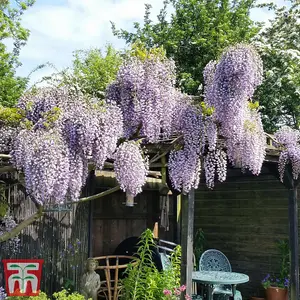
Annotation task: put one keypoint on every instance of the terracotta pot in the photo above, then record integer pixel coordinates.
(257, 298)
(276, 293)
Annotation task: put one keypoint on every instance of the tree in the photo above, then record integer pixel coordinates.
(198, 32)
(12, 86)
(91, 71)
(279, 46)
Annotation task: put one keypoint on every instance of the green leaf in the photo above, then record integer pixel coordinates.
(30, 266)
(15, 266)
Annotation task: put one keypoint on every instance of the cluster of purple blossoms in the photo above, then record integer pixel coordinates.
(7, 223)
(230, 84)
(7, 136)
(289, 138)
(2, 293)
(185, 165)
(144, 90)
(131, 168)
(63, 132)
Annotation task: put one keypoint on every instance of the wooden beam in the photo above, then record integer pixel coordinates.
(16, 230)
(102, 194)
(294, 244)
(178, 219)
(187, 237)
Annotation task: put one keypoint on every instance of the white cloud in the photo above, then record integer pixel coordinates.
(58, 30)
(60, 27)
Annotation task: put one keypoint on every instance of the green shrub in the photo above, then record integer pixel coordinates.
(143, 280)
(65, 295)
(62, 295)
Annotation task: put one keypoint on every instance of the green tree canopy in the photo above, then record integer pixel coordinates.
(279, 46)
(198, 32)
(91, 71)
(12, 86)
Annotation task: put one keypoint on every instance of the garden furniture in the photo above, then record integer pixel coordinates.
(213, 279)
(215, 260)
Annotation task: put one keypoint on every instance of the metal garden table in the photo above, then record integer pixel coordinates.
(211, 278)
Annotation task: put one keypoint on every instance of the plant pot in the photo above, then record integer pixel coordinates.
(257, 298)
(276, 293)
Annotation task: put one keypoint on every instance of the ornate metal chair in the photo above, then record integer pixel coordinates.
(215, 260)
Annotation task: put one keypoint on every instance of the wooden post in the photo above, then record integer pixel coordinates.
(294, 243)
(90, 191)
(178, 219)
(187, 236)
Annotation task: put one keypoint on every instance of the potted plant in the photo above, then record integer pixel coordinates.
(277, 286)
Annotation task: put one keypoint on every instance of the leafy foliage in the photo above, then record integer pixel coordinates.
(12, 86)
(282, 280)
(65, 295)
(279, 46)
(199, 245)
(61, 295)
(197, 33)
(144, 281)
(92, 71)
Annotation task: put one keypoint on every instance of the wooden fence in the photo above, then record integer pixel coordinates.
(60, 238)
(244, 217)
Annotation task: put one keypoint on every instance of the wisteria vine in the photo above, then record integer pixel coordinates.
(230, 85)
(61, 131)
(131, 167)
(7, 223)
(289, 138)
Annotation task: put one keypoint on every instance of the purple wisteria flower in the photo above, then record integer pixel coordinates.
(2, 293)
(289, 138)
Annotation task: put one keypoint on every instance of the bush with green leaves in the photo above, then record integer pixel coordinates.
(65, 295)
(62, 295)
(41, 296)
(143, 280)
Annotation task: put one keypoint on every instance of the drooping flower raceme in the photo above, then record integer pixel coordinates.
(236, 76)
(144, 90)
(184, 170)
(251, 150)
(7, 223)
(185, 165)
(2, 293)
(62, 132)
(230, 84)
(215, 162)
(289, 138)
(7, 135)
(131, 167)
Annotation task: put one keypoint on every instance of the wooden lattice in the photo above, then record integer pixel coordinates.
(111, 287)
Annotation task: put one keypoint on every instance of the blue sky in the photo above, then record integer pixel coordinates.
(59, 27)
